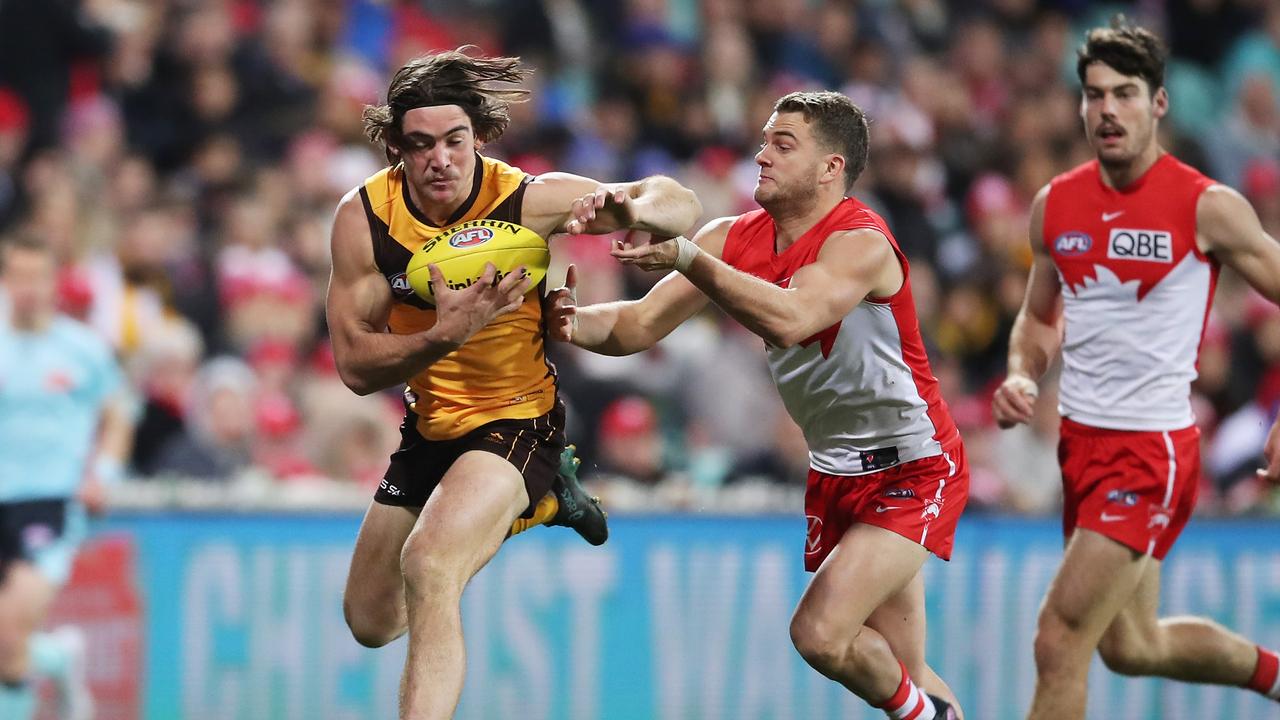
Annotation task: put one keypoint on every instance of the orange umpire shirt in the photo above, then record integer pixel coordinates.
(502, 372)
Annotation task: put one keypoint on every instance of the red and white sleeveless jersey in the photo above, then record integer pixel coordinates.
(861, 390)
(1136, 292)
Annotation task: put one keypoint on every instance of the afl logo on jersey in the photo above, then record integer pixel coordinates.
(1072, 243)
(471, 237)
(400, 286)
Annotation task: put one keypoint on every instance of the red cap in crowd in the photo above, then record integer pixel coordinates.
(628, 416)
(13, 112)
(1262, 178)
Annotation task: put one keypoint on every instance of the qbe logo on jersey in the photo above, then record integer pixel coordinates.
(471, 237)
(1145, 245)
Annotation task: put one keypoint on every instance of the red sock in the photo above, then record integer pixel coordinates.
(908, 702)
(1266, 677)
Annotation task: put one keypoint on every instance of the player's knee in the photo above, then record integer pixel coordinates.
(371, 635)
(819, 642)
(367, 628)
(1054, 636)
(427, 570)
(1046, 649)
(1124, 656)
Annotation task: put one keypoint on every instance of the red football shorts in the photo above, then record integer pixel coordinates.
(1137, 488)
(920, 500)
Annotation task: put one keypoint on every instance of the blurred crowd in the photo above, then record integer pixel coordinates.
(184, 157)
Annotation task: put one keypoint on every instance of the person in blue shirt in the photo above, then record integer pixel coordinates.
(64, 430)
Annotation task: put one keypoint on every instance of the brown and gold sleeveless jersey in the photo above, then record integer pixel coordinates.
(500, 373)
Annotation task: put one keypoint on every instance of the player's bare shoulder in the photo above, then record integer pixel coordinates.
(865, 254)
(1228, 227)
(1223, 217)
(351, 241)
(350, 205)
(862, 238)
(1035, 228)
(712, 237)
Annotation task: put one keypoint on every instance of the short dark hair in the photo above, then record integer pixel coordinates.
(1128, 49)
(451, 77)
(838, 124)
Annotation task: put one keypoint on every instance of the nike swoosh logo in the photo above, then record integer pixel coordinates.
(1108, 217)
(1112, 518)
(882, 508)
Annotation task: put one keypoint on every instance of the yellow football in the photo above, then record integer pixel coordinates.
(462, 251)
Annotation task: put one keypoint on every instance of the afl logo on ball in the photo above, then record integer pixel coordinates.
(1072, 243)
(400, 285)
(471, 237)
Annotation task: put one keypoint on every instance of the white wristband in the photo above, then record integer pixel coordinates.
(687, 250)
(1029, 386)
(108, 470)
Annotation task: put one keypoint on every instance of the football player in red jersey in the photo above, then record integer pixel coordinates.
(819, 277)
(1127, 249)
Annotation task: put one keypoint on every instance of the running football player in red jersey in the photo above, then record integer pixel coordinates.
(820, 278)
(1127, 249)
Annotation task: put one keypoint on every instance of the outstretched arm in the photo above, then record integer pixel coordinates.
(1228, 227)
(626, 327)
(851, 265)
(555, 202)
(359, 303)
(1037, 332)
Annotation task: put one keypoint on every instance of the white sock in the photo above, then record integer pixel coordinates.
(60, 655)
(50, 657)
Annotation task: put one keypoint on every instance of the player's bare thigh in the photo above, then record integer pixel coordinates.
(1097, 579)
(465, 520)
(869, 566)
(373, 602)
